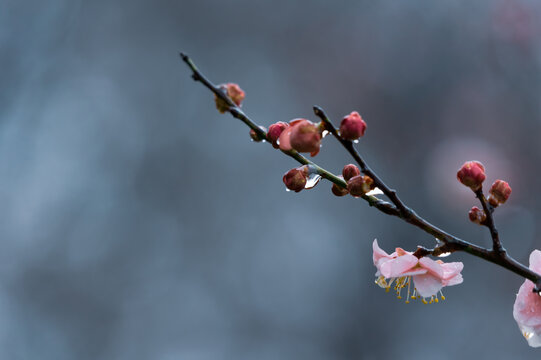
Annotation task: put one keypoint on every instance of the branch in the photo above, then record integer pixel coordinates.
(489, 222)
(450, 243)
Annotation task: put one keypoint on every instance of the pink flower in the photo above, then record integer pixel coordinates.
(402, 268)
(527, 308)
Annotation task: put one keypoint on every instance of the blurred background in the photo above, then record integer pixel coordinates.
(139, 223)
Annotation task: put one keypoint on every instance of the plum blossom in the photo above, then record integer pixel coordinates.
(403, 268)
(527, 308)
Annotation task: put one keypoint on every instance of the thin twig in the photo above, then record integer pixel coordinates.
(348, 145)
(450, 243)
(489, 222)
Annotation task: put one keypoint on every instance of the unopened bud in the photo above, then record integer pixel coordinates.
(499, 193)
(275, 130)
(295, 179)
(352, 126)
(350, 171)
(235, 93)
(338, 190)
(477, 215)
(255, 136)
(472, 174)
(360, 185)
(304, 136)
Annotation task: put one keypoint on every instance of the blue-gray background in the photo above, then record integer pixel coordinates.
(138, 223)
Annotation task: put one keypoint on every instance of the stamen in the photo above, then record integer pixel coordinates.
(441, 295)
(424, 301)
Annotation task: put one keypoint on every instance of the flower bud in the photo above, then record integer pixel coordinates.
(499, 193)
(472, 174)
(338, 190)
(235, 93)
(295, 179)
(275, 130)
(255, 136)
(360, 185)
(305, 136)
(352, 126)
(477, 215)
(350, 171)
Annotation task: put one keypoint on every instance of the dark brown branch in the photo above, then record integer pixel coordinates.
(348, 145)
(449, 244)
(489, 222)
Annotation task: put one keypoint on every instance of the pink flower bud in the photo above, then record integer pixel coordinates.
(350, 171)
(477, 215)
(275, 130)
(499, 192)
(234, 92)
(295, 179)
(472, 174)
(352, 126)
(338, 190)
(255, 136)
(304, 136)
(360, 185)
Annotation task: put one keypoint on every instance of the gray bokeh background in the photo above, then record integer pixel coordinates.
(138, 223)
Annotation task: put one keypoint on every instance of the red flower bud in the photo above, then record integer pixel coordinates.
(352, 126)
(360, 185)
(338, 190)
(304, 136)
(255, 136)
(472, 174)
(275, 130)
(350, 171)
(295, 179)
(234, 92)
(499, 192)
(477, 215)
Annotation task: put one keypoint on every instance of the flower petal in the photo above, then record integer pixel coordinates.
(450, 270)
(285, 144)
(378, 253)
(433, 267)
(455, 280)
(427, 284)
(395, 267)
(527, 307)
(535, 261)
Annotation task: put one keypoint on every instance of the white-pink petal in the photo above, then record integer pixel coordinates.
(535, 261)
(450, 270)
(427, 284)
(378, 253)
(433, 267)
(395, 267)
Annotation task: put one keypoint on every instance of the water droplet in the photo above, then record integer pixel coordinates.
(356, 141)
(288, 190)
(324, 133)
(312, 181)
(375, 191)
(445, 254)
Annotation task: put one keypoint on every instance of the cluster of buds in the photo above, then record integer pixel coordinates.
(357, 184)
(472, 175)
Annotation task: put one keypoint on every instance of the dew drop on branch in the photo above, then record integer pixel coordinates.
(312, 181)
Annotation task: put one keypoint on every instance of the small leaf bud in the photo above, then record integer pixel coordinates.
(235, 93)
